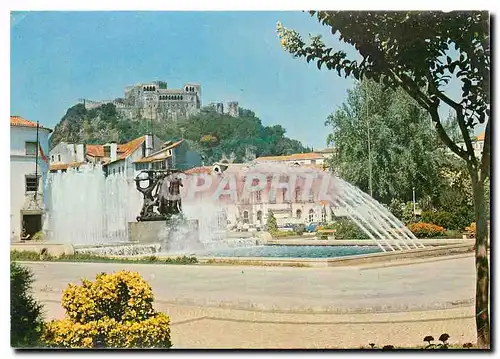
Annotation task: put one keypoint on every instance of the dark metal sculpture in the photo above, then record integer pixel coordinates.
(161, 195)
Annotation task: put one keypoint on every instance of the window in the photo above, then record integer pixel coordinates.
(258, 196)
(59, 158)
(311, 196)
(159, 165)
(297, 194)
(298, 214)
(31, 148)
(31, 183)
(52, 158)
(107, 151)
(114, 170)
(119, 170)
(245, 217)
(259, 216)
(311, 215)
(141, 166)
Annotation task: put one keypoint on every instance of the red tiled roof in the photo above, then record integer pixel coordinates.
(126, 149)
(198, 170)
(22, 122)
(122, 150)
(63, 166)
(95, 150)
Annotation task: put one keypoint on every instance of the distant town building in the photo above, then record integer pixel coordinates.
(253, 211)
(477, 145)
(27, 177)
(156, 101)
(311, 158)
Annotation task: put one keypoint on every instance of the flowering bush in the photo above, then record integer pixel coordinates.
(114, 311)
(426, 230)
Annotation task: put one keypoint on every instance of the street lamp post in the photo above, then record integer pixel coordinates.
(414, 203)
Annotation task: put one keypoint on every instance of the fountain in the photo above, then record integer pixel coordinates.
(104, 215)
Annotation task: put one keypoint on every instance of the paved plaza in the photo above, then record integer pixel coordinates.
(275, 307)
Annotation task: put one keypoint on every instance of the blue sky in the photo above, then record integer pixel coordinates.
(59, 57)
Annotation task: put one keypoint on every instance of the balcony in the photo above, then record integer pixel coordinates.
(279, 206)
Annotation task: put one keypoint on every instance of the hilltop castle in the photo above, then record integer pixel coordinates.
(156, 101)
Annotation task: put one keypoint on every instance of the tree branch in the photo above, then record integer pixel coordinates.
(445, 138)
(460, 116)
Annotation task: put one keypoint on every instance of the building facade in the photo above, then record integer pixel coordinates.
(115, 158)
(173, 154)
(252, 212)
(311, 158)
(27, 177)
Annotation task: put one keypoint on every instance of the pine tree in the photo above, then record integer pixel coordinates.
(272, 224)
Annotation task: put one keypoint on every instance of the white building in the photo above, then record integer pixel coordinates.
(115, 158)
(477, 145)
(26, 177)
(311, 158)
(173, 154)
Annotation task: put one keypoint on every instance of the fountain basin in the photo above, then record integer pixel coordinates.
(277, 251)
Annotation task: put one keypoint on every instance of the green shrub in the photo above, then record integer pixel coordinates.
(347, 229)
(442, 218)
(281, 234)
(114, 311)
(396, 208)
(426, 230)
(272, 224)
(24, 256)
(82, 257)
(26, 320)
(408, 215)
(38, 236)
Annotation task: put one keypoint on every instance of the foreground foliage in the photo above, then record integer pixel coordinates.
(26, 320)
(114, 311)
(443, 338)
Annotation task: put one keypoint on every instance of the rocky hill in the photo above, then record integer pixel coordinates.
(212, 134)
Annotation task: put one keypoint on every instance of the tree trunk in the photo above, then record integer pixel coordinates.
(482, 266)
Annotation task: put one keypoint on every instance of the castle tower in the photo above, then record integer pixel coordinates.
(194, 88)
(232, 109)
